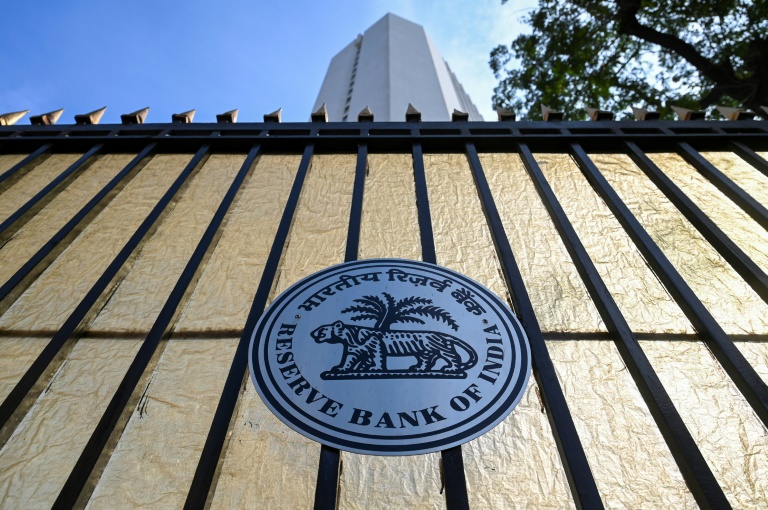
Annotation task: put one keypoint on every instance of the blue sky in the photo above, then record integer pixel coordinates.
(214, 56)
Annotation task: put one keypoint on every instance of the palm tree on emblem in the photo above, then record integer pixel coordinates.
(387, 311)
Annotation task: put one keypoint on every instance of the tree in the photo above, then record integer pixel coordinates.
(613, 54)
(387, 311)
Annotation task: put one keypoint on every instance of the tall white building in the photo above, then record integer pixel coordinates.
(392, 64)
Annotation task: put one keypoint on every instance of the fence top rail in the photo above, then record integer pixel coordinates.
(392, 136)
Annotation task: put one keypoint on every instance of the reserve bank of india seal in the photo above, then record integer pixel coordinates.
(389, 357)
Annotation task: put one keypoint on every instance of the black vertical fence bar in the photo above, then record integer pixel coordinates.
(24, 277)
(10, 176)
(729, 188)
(147, 228)
(582, 483)
(698, 476)
(750, 156)
(356, 208)
(161, 327)
(328, 469)
(16, 220)
(214, 443)
(456, 496)
(740, 261)
(730, 358)
(328, 473)
(422, 205)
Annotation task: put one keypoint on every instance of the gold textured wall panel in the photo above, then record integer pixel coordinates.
(630, 460)
(558, 295)
(390, 228)
(390, 222)
(731, 219)
(620, 265)
(516, 463)
(29, 185)
(32, 236)
(628, 456)
(8, 160)
(161, 444)
(732, 439)
(645, 303)
(736, 307)
(46, 446)
(756, 353)
(40, 311)
(266, 463)
(742, 173)
(733, 303)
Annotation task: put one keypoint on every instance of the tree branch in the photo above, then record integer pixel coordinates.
(712, 97)
(629, 25)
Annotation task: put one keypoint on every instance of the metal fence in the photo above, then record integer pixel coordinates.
(580, 140)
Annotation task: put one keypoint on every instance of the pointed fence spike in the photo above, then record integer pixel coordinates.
(91, 117)
(183, 117)
(735, 113)
(365, 115)
(412, 114)
(765, 109)
(505, 115)
(46, 119)
(229, 117)
(643, 114)
(686, 114)
(11, 118)
(597, 114)
(276, 116)
(137, 117)
(321, 115)
(459, 116)
(550, 115)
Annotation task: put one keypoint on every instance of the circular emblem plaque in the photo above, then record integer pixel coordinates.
(389, 357)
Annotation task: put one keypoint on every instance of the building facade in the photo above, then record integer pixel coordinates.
(392, 64)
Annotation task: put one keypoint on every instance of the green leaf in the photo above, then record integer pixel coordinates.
(577, 55)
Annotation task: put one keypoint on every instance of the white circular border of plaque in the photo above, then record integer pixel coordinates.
(389, 357)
